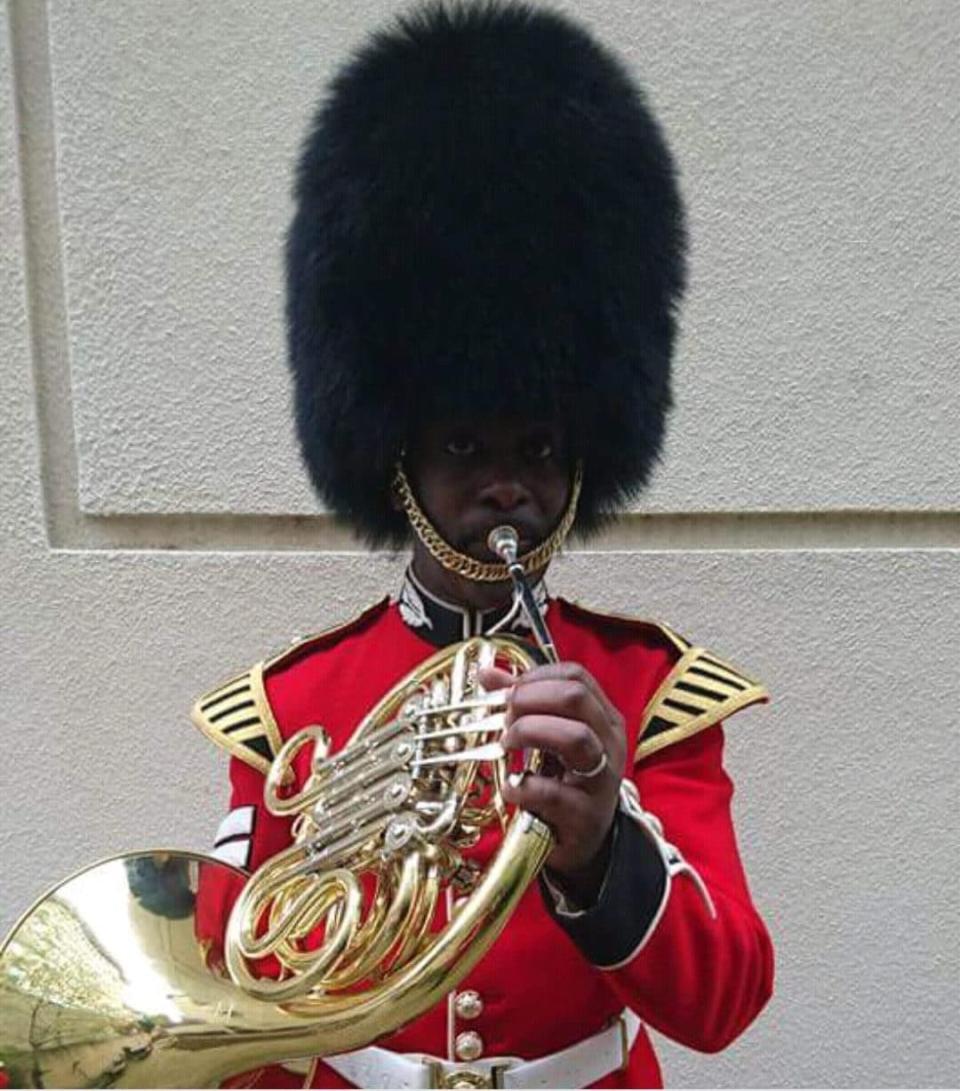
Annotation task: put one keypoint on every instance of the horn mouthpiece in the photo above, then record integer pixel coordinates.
(504, 541)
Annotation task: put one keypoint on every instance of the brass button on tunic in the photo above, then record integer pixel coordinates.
(468, 1046)
(468, 1004)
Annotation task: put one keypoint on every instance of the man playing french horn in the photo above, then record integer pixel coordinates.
(483, 272)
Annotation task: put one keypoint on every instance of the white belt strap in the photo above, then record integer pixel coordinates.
(578, 1065)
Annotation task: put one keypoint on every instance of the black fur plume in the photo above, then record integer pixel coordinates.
(487, 220)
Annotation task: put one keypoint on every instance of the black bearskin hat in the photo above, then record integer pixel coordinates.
(487, 222)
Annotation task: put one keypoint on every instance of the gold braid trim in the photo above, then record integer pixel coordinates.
(698, 692)
(238, 717)
(469, 567)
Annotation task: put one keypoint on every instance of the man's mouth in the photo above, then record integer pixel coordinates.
(477, 546)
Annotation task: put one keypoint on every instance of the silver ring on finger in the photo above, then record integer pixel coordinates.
(586, 774)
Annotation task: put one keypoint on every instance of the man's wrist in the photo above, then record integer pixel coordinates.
(629, 902)
(581, 887)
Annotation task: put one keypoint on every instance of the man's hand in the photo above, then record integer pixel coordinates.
(561, 709)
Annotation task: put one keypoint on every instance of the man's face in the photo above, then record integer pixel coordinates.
(471, 476)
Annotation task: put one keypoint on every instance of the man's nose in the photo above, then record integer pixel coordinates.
(504, 493)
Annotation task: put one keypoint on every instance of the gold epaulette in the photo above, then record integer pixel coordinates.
(698, 692)
(237, 715)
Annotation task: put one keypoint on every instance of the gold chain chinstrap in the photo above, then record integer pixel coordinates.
(469, 567)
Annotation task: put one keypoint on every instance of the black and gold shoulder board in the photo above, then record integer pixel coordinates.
(237, 715)
(698, 692)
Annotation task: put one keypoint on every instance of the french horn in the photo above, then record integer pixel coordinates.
(330, 944)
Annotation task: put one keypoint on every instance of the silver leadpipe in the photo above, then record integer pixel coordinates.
(505, 542)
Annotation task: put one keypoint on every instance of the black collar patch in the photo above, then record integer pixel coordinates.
(442, 623)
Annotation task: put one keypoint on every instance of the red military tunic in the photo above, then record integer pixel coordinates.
(548, 982)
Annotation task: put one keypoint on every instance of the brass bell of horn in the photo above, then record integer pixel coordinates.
(106, 980)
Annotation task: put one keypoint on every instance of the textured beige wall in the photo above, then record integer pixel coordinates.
(157, 531)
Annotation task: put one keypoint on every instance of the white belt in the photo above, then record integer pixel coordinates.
(576, 1066)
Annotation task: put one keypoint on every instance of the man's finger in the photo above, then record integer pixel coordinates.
(573, 741)
(494, 678)
(569, 699)
(570, 672)
(561, 806)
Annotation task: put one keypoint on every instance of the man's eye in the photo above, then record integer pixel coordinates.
(461, 446)
(540, 450)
